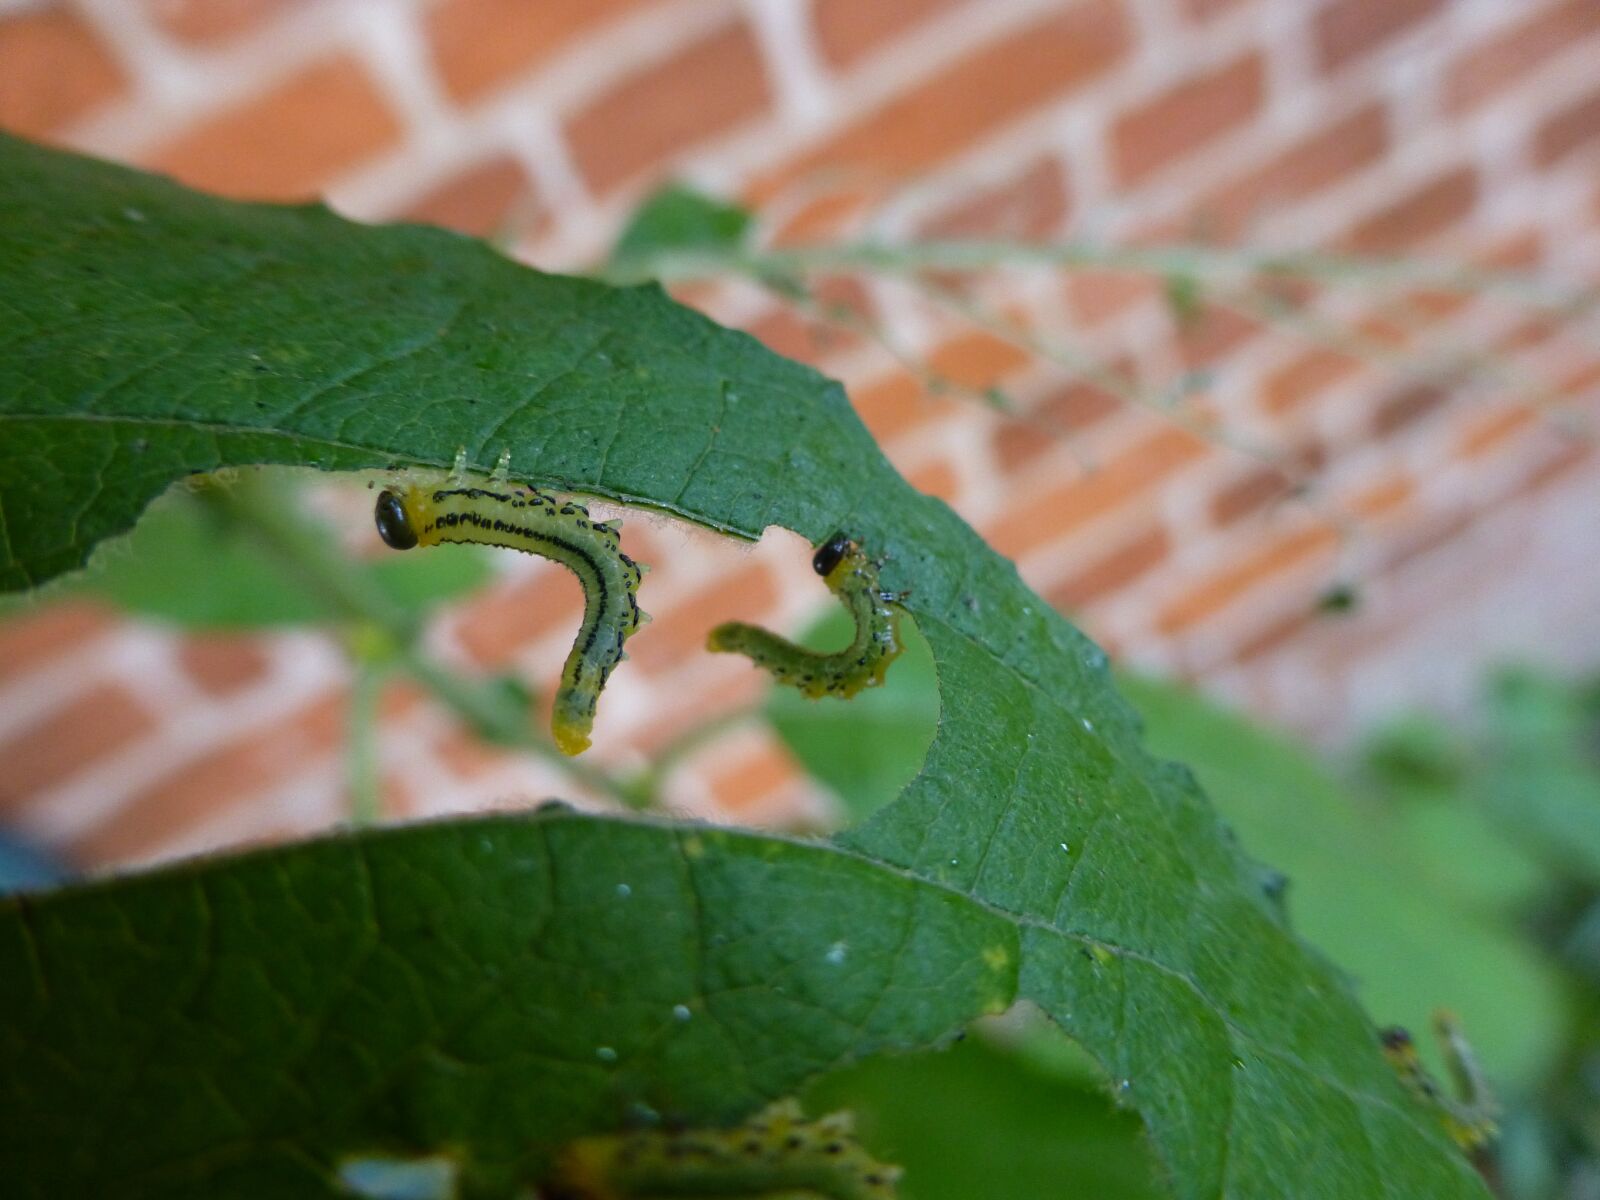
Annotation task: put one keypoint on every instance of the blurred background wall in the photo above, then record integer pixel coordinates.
(1322, 499)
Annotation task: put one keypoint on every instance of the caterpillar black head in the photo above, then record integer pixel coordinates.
(830, 554)
(394, 525)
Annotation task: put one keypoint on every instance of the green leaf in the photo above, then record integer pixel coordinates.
(677, 220)
(1365, 892)
(230, 1028)
(982, 1120)
(867, 748)
(504, 985)
(1544, 782)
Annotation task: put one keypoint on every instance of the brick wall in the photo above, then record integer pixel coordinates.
(1352, 436)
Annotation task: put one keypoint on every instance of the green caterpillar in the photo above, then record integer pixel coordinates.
(418, 513)
(1472, 1117)
(853, 577)
(777, 1153)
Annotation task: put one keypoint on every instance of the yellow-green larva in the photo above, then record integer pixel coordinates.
(420, 514)
(853, 577)
(777, 1153)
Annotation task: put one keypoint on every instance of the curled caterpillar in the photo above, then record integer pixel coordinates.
(418, 514)
(778, 1152)
(1471, 1117)
(853, 577)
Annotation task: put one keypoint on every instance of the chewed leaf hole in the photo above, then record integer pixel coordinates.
(869, 747)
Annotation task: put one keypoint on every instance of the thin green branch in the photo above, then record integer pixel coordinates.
(1167, 261)
(1095, 372)
(361, 745)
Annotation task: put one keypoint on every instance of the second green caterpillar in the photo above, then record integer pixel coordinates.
(853, 577)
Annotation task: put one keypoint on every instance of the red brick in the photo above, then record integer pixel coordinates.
(1206, 10)
(400, 697)
(753, 776)
(1425, 211)
(1114, 570)
(1062, 413)
(837, 319)
(498, 623)
(1385, 497)
(1484, 434)
(1095, 295)
(706, 90)
(1429, 306)
(1574, 128)
(746, 593)
(1224, 587)
(977, 361)
(1562, 461)
(826, 216)
(1031, 204)
(1422, 537)
(55, 70)
(201, 22)
(1527, 335)
(1276, 634)
(896, 403)
(849, 30)
(1249, 493)
(398, 800)
(481, 200)
(1185, 118)
(1580, 380)
(468, 756)
(1406, 408)
(289, 143)
(732, 689)
(223, 663)
(842, 299)
(1311, 165)
(1073, 504)
(30, 639)
(936, 478)
(483, 44)
(786, 332)
(1213, 333)
(1348, 29)
(961, 104)
(217, 780)
(96, 723)
(1507, 56)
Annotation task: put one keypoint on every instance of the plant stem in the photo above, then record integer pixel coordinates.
(366, 789)
(916, 258)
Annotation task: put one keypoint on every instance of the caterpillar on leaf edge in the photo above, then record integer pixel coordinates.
(417, 512)
(853, 578)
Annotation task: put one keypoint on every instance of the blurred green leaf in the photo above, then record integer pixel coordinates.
(677, 220)
(1543, 781)
(1358, 892)
(1427, 781)
(981, 1121)
(488, 989)
(867, 748)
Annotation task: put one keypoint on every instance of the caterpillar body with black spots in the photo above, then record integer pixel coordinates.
(779, 1152)
(853, 578)
(419, 513)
